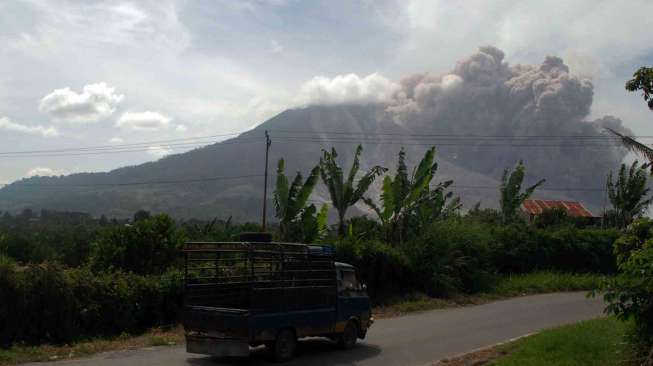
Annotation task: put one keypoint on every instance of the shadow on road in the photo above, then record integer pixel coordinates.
(309, 352)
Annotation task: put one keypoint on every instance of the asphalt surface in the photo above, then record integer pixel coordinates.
(414, 339)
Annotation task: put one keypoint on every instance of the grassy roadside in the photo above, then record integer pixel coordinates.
(506, 287)
(153, 337)
(593, 342)
(533, 283)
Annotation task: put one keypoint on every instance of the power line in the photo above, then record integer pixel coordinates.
(348, 133)
(312, 137)
(440, 144)
(118, 146)
(138, 183)
(125, 150)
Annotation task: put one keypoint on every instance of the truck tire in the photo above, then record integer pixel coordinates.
(285, 345)
(348, 338)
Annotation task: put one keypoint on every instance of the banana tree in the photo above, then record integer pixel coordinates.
(290, 199)
(511, 195)
(437, 204)
(402, 195)
(344, 193)
(314, 223)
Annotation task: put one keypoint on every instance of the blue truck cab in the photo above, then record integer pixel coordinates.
(246, 294)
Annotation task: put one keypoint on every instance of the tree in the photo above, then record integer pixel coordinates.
(147, 246)
(642, 80)
(141, 215)
(344, 193)
(628, 294)
(634, 146)
(290, 201)
(405, 196)
(314, 223)
(511, 198)
(628, 193)
(439, 205)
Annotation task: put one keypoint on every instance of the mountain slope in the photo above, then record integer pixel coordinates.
(298, 135)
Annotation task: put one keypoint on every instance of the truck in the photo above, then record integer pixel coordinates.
(249, 293)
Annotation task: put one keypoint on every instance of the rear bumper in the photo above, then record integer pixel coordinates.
(219, 347)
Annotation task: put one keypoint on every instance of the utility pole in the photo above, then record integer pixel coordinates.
(605, 203)
(265, 184)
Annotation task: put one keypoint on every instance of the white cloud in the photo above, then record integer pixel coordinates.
(275, 46)
(263, 108)
(457, 28)
(44, 172)
(159, 151)
(116, 140)
(8, 125)
(143, 121)
(95, 102)
(181, 128)
(347, 89)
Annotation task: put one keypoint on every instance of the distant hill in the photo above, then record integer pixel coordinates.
(121, 192)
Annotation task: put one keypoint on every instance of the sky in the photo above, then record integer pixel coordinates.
(96, 73)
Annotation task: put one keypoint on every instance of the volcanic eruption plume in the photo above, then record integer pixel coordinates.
(488, 114)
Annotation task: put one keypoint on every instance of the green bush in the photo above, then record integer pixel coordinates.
(148, 246)
(520, 248)
(8, 293)
(451, 256)
(630, 294)
(50, 303)
(384, 269)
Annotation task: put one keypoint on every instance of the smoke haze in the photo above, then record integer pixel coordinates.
(485, 115)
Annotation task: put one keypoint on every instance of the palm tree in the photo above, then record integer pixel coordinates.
(642, 80)
(627, 194)
(511, 198)
(634, 146)
(343, 193)
(290, 201)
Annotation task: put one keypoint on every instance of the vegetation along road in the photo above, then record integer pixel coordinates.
(415, 339)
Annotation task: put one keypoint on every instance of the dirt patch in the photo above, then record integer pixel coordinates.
(477, 358)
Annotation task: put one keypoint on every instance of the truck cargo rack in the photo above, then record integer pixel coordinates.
(259, 276)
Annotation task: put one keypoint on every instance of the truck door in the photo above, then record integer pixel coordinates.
(352, 300)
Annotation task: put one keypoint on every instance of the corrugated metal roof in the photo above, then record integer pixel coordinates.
(575, 209)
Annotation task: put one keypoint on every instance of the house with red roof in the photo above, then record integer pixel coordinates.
(534, 207)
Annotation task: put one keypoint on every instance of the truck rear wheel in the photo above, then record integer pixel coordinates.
(348, 338)
(285, 345)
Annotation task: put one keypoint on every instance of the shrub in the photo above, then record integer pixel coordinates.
(630, 294)
(148, 246)
(451, 256)
(520, 248)
(54, 304)
(384, 269)
(9, 292)
(515, 249)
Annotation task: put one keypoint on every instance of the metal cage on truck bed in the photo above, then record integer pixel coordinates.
(259, 277)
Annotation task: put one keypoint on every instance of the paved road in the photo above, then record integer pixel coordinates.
(408, 340)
